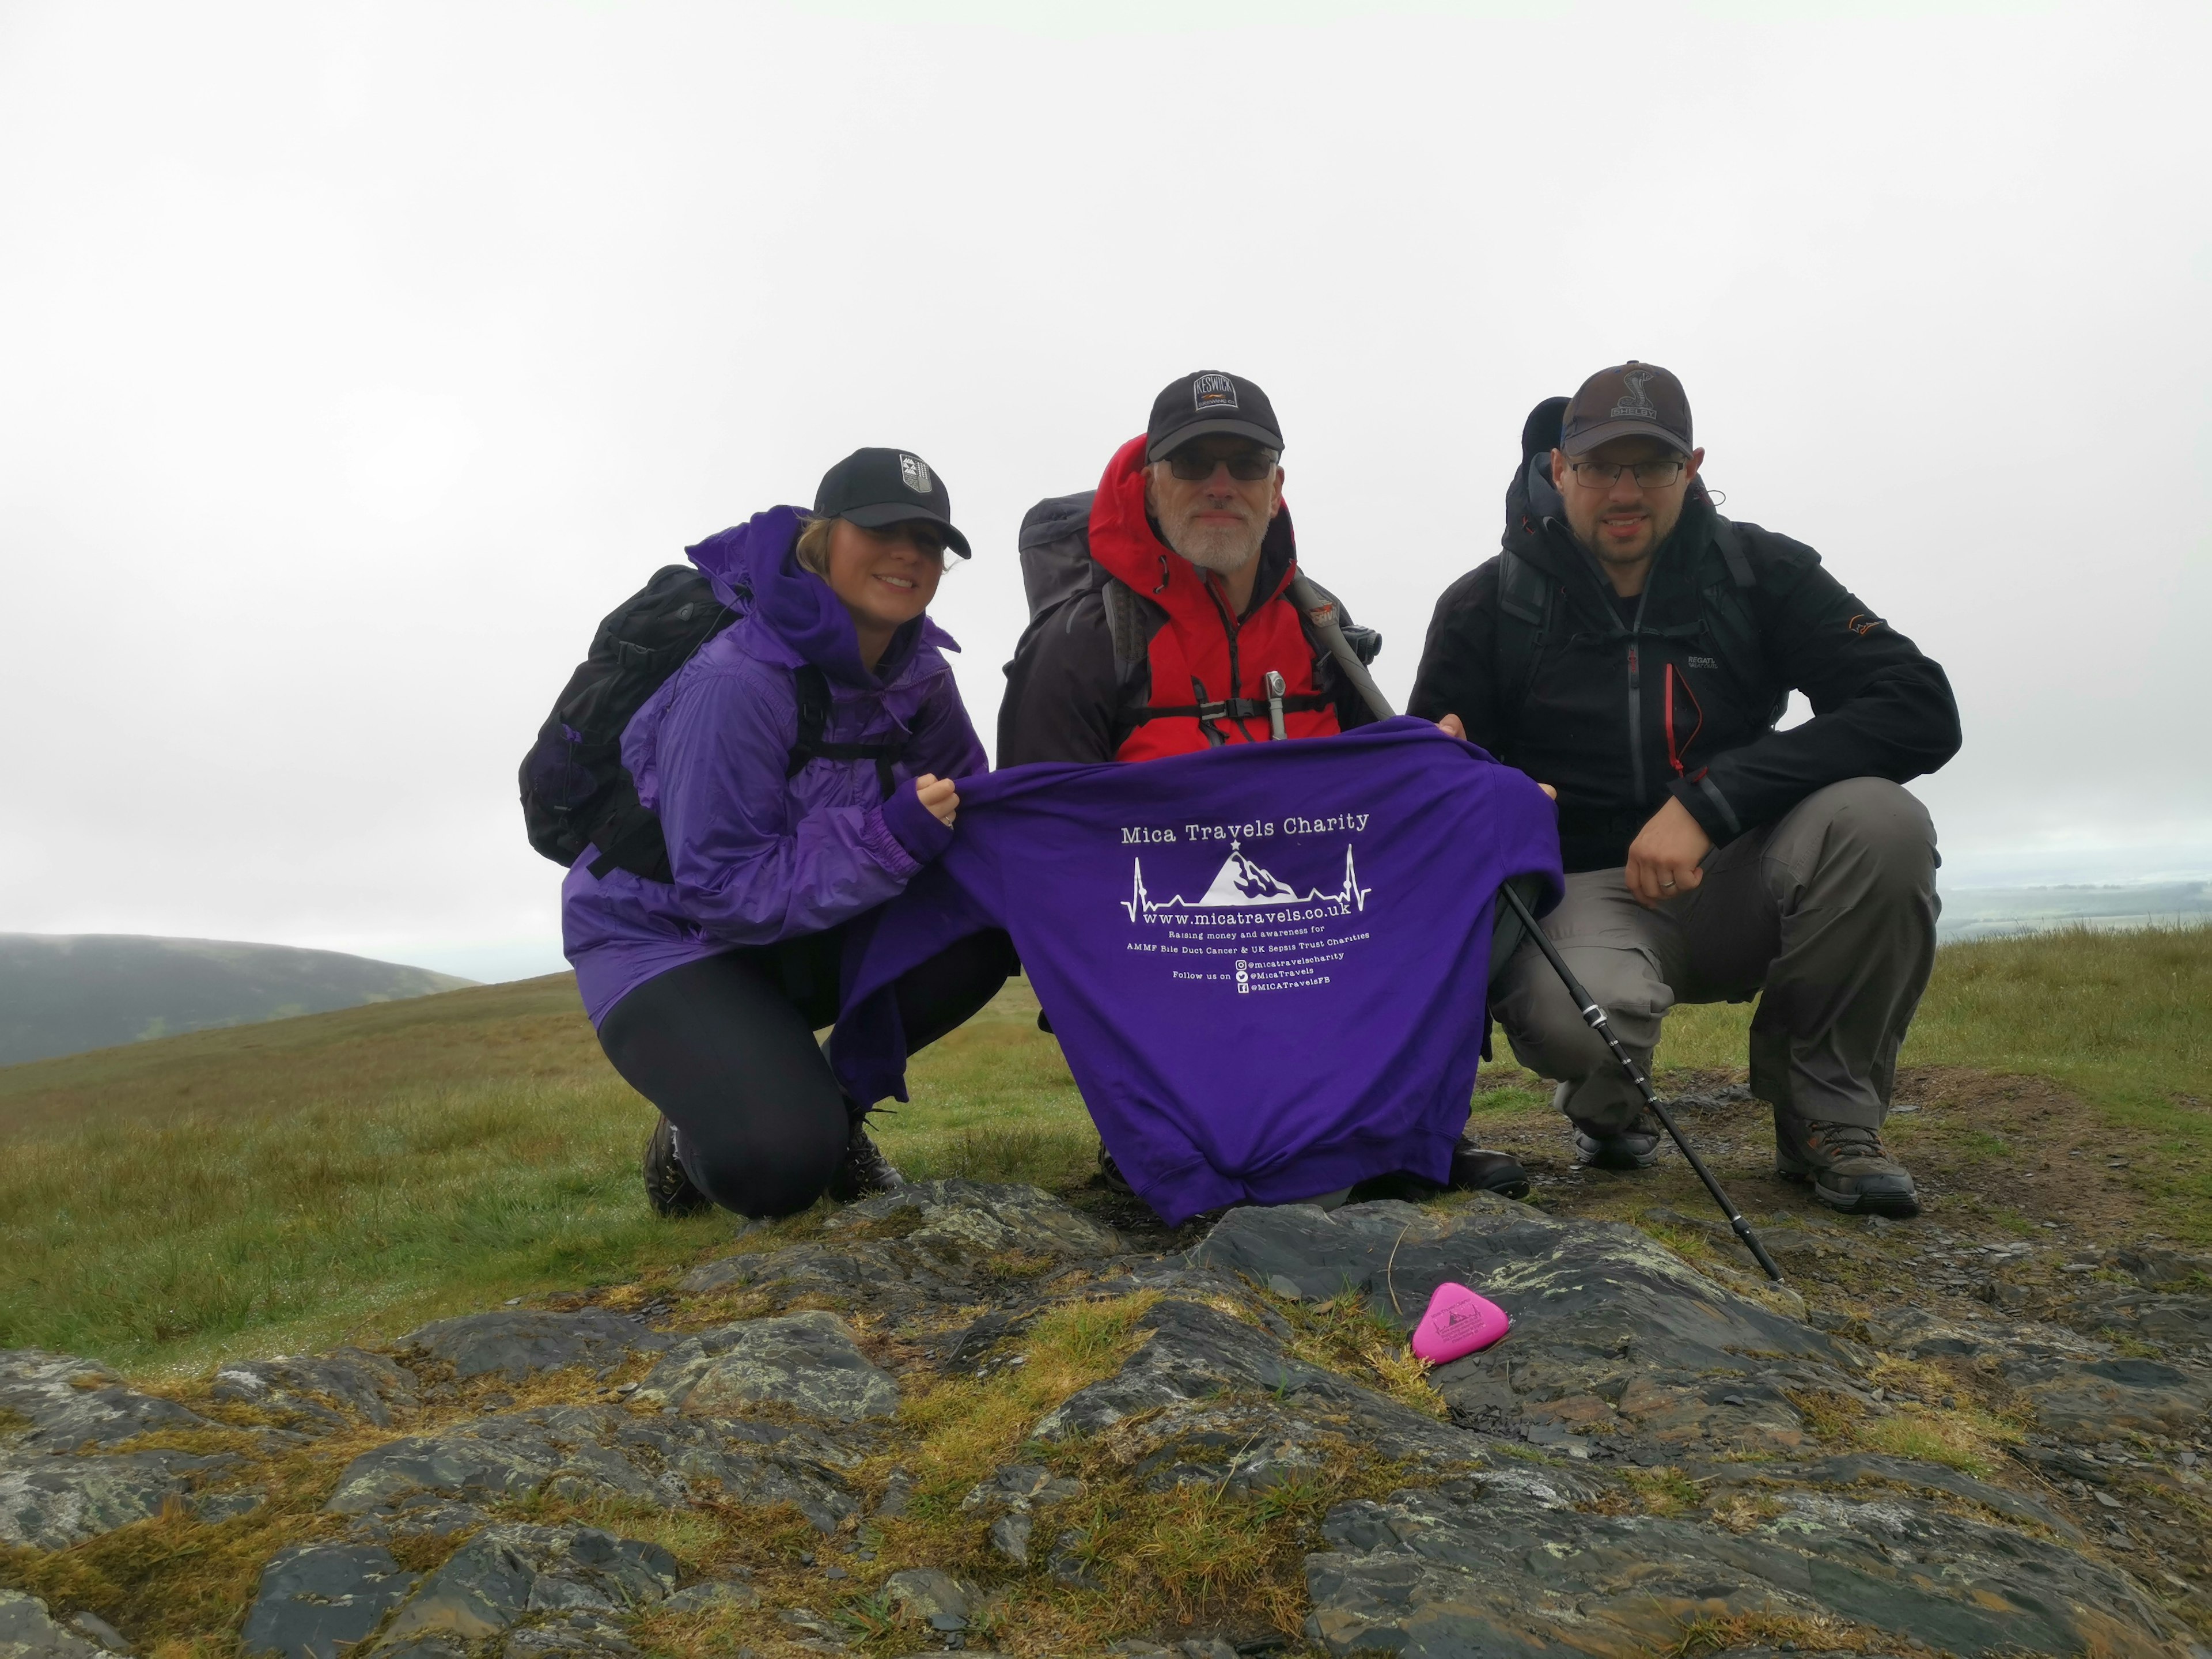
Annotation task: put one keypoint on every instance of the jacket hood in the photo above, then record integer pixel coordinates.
(754, 568)
(1123, 540)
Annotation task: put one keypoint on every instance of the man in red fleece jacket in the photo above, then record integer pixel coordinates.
(1160, 607)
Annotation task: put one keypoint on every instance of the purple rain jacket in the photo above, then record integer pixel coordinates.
(757, 857)
(1265, 964)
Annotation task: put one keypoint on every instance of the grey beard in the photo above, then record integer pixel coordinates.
(1224, 550)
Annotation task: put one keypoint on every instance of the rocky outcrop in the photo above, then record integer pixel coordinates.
(1654, 1449)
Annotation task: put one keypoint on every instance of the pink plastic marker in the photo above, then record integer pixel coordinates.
(1458, 1323)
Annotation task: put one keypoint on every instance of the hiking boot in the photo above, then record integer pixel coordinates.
(1110, 1175)
(1473, 1170)
(865, 1171)
(1847, 1166)
(1624, 1146)
(667, 1188)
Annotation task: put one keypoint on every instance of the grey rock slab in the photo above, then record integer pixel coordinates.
(1022, 1487)
(506, 1573)
(805, 1362)
(1480, 1570)
(316, 1392)
(930, 1240)
(521, 1343)
(216, 1507)
(577, 1637)
(28, 1632)
(1010, 1536)
(1856, 1468)
(52, 1501)
(714, 1595)
(935, 1598)
(1195, 1352)
(1582, 1293)
(2184, 1323)
(319, 1601)
(2159, 1267)
(590, 1452)
(97, 1630)
(2103, 1398)
(70, 1403)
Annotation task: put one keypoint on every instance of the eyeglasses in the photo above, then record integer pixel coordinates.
(1193, 464)
(1603, 475)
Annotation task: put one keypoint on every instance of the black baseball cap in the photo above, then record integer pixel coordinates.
(877, 487)
(1210, 401)
(1634, 400)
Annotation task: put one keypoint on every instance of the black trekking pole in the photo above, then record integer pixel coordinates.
(1593, 1017)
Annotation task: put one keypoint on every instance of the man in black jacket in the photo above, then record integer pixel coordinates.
(1634, 649)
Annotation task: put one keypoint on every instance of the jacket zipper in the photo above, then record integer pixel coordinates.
(1636, 722)
(1635, 691)
(1236, 675)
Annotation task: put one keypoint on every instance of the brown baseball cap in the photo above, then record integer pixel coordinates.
(1635, 400)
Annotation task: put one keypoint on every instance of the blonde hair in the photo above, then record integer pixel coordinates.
(814, 546)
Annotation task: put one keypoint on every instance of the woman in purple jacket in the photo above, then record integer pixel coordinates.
(707, 988)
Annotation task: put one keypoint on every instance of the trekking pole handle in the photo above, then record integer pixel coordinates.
(1594, 1018)
(1321, 610)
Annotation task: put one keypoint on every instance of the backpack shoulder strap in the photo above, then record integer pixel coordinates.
(1525, 599)
(813, 689)
(1731, 547)
(1124, 626)
(1732, 625)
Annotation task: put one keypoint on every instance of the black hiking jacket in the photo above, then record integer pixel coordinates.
(1617, 717)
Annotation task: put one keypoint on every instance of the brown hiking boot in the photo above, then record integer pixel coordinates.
(1848, 1167)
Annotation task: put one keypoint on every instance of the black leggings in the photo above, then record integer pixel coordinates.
(725, 1046)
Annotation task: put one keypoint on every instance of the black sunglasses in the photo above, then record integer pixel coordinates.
(1246, 465)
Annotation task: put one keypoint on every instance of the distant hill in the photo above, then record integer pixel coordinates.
(1972, 912)
(61, 993)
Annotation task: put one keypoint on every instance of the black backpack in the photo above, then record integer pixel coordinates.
(576, 792)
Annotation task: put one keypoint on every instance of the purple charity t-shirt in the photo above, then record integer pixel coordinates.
(1265, 964)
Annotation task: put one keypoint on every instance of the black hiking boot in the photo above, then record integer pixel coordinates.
(667, 1188)
(1848, 1166)
(866, 1170)
(1475, 1169)
(1628, 1146)
(1110, 1175)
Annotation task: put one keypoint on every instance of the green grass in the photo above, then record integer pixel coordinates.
(344, 1176)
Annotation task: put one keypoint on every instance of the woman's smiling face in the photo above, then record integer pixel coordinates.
(886, 577)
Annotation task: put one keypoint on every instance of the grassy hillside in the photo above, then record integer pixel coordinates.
(349, 1175)
(61, 993)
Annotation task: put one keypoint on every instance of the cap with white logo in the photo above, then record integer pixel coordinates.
(1635, 400)
(1206, 402)
(877, 487)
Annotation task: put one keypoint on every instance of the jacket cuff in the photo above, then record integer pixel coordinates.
(919, 832)
(1714, 814)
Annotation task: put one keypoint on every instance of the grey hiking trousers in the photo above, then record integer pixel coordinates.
(1828, 915)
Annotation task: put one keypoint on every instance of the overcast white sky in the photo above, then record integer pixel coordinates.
(356, 358)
